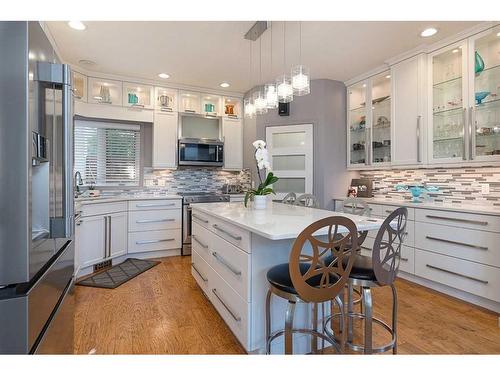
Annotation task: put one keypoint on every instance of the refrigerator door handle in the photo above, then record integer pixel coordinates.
(67, 114)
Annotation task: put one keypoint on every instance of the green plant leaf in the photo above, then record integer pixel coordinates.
(248, 195)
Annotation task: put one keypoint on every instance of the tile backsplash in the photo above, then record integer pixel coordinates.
(456, 185)
(193, 179)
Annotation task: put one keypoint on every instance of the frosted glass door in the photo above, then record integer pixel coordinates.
(357, 124)
(485, 60)
(381, 118)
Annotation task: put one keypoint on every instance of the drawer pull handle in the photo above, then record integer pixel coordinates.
(237, 238)
(366, 248)
(153, 221)
(457, 274)
(199, 273)
(153, 241)
(199, 242)
(225, 263)
(200, 218)
(235, 317)
(456, 243)
(404, 259)
(484, 223)
(155, 205)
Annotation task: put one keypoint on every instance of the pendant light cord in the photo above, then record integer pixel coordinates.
(284, 46)
(300, 42)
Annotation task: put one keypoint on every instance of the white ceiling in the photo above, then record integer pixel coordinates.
(207, 53)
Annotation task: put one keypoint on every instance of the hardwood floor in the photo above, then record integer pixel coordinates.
(162, 311)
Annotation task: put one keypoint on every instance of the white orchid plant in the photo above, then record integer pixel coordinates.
(262, 161)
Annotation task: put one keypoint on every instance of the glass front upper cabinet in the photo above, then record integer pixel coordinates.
(105, 91)
(231, 107)
(484, 98)
(79, 86)
(381, 119)
(190, 102)
(210, 105)
(357, 124)
(166, 99)
(448, 103)
(137, 95)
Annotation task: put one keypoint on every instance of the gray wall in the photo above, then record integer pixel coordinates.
(325, 108)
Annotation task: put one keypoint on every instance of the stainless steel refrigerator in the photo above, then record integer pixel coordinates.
(36, 194)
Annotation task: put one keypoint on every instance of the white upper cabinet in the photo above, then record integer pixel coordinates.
(357, 123)
(380, 153)
(190, 102)
(79, 86)
(104, 91)
(232, 107)
(137, 96)
(211, 105)
(232, 130)
(409, 111)
(165, 127)
(166, 99)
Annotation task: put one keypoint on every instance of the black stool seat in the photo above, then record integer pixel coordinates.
(279, 277)
(361, 269)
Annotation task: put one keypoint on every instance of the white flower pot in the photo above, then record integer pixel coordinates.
(260, 202)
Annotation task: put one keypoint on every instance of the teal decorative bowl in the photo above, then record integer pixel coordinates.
(481, 95)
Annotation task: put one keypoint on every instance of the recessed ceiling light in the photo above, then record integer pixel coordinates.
(364, 84)
(77, 25)
(163, 75)
(428, 32)
(224, 84)
(455, 50)
(388, 76)
(498, 34)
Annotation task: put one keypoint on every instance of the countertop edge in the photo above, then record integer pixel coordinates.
(86, 201)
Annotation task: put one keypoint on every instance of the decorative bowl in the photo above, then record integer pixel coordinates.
(481, 95)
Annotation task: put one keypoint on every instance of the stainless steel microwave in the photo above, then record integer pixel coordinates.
(201, 152)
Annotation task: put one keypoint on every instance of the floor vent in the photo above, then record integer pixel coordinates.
(102, 265)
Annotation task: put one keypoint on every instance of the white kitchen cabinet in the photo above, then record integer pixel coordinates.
(232, 131)
(91, 240)
(409, 111)
(166, 99)
(165, 139)
(138, 96)
(104, 91)
(232, 107)
(190, 102)
(211, 105)
(79, 86)
(117, 234)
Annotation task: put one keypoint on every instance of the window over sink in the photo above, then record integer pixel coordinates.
(108, 154)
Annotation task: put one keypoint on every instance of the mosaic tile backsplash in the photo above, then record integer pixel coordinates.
(193, 179)
(456, 185)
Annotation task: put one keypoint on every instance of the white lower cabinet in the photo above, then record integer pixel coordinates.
(157, 240)
(117, 234)
(200, 271)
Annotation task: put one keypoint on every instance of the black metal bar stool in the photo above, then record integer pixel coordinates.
(376, 271)
(308, 279)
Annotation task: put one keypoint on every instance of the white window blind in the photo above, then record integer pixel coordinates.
(108, 154)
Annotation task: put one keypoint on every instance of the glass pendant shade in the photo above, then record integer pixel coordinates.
(259, 101)
(271, 95)
(284, 89)
(249, 108)
(301, 80)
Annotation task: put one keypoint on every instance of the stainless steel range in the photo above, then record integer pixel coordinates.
(195, 197)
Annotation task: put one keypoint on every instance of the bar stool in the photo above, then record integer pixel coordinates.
(377, 271)
(308, 279)
(307, 200)
(289, 198)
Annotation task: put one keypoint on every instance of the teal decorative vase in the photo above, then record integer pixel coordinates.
(479, 63)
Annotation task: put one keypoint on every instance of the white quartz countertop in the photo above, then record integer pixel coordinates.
(457, 207)
(124, 197)
(278, 221)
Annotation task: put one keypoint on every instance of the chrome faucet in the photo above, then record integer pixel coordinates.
(78, 182)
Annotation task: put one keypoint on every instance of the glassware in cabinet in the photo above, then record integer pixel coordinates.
(190, 102)
(79, 86)
(485, 95)
(105, 91)
(381, 118)
(137, 95)
(358, 124)
(211, 105)
(231, 107)
(166, 99)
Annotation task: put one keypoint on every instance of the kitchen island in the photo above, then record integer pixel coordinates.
(234, 247)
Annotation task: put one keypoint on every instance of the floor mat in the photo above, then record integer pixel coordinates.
(119, 274)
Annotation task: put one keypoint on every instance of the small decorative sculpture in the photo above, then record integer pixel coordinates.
(478, 63)
(416, 190)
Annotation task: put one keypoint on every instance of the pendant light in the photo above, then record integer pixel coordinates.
(270, 90)
(300, 74)
(259, 98)
(248, 106)
(284, 82)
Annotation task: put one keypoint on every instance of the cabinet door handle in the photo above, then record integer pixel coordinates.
(419, 158)
(105, 236)
(404, 259)
(456, 243)
(153, 221)
(235, 317)
(190, 111)
(472, 133)
(233, 236)
(464, 119)
(226, 264)
(109, 236)
(199, 242)
(145, 242)
(199, 218)
(166, 109)
(199, 273)
(365, 248)
(468, 221)
(456, 274)
(137, 106)
(155, 205)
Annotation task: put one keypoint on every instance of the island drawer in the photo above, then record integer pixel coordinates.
(459, 219)
(201, 218)
(154, 220)
(410, 237)
(139, 242)
(407, 261)
(200, 239)
(200, 271)
(231, 263)
(102, 208)
(474, 245)
(388, 209)
(155, 204)
(460, 274)
(231, 307)
(231, 233)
